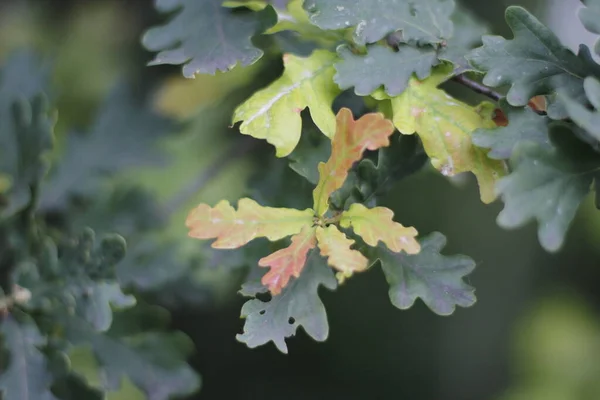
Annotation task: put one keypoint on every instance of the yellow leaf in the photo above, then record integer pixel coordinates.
(273, 113)
(234, 229)
(375, 224)
(445, 125)
(336, 247)
(351, 139)
(289, 261)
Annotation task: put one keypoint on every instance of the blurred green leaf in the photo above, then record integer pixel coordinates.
(27, 375)
(125, 134)
(153, 360)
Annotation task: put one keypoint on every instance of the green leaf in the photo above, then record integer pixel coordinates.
(81, 281)
(207, 37)
(27, 376)
(435, 278)
(382, 66)
(153, 360)
(467, 34)
(297, 305)
(149, 265)
(533, 63)
(405, 156)
(124, 135)
(547, 184)
(425, 21)
(590, 17)
(523, 125)
(32, 140)
(25, 129)
(273, 113)
(581, 115)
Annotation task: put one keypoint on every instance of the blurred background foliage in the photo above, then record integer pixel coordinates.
(533, 335)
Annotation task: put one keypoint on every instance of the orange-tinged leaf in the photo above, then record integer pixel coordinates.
(375, 224)
(336, 247)
(233, 228)
(351, 139)
(289, 261)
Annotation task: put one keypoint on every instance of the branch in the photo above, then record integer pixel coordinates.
(486, 91)
(477, 87)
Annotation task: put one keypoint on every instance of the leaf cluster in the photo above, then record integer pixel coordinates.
(62, 286)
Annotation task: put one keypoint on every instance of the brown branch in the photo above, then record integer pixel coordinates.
(488, 92)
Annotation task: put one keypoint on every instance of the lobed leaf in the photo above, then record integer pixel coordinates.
(533, 63)
(581, 115)
(297, 305)
(590, 17)
(26, 128)
(435, 278)
(523, 125)
(547, 184)
(273, 113)
(351, 139)
(382, 66)
(424, 22)
(153, 360)
(124, 134)
(336, 247)
(376, 224)
(289, 261)
(78, 278)
(27, 375)
(312, 149)
(31, 139)
(445, 126)
(233, 228)
(207, 37)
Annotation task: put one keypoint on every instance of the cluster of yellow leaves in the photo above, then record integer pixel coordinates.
(312, 228)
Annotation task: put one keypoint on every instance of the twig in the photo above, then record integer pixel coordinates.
(477, 87)
(240, 148)
(488, 92)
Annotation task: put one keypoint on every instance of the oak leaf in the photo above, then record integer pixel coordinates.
(289, 261)
(351, 139)
(445, 126)
(376, 224)
(273, 113)
(234, 229)
(334, 245)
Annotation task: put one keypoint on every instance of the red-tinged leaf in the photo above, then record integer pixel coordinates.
(377, 224)
(233, 228)
(337, 248)
(351, 139)
(289, 261)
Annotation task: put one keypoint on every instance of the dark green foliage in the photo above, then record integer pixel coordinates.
(90, 255)
(429, 275)
(207, 37)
